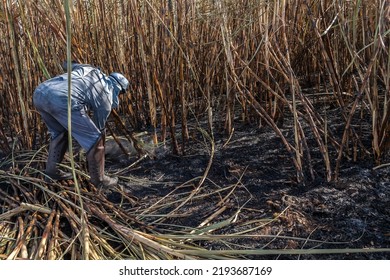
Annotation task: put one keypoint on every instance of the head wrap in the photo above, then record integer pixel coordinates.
(120, 80)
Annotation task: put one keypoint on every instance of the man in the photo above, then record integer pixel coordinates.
(92, 91)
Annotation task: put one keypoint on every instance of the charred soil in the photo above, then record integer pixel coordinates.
(247, 183)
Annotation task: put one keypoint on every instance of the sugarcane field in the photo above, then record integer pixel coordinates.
(200, 130)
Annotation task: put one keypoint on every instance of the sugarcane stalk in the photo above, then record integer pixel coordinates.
(42, 247)
(23, 251)
(53, 242)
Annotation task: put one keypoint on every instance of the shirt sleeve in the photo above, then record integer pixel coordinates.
(100, 117)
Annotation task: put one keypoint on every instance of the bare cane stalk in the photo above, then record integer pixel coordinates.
(84, 223)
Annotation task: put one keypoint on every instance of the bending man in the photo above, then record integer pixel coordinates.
(92, 91)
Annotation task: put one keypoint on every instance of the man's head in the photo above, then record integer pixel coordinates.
(120, 80)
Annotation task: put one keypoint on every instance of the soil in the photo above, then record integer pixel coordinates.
(251, 184)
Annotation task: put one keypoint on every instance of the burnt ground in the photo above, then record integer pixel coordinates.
(251, 183)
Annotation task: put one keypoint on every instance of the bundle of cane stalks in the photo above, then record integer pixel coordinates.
(40, 220)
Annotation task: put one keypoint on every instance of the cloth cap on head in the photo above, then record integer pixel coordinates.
(121, 80)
